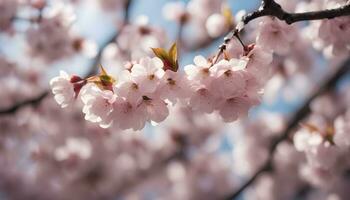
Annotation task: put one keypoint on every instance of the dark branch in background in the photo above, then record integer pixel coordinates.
(271, 8)
(97, 60)
(93, 68)
(33, 101)
(302, 112)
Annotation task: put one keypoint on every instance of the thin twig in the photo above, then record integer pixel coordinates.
(113, 38)
(302, 112)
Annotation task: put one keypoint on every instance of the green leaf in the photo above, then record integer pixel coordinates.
(173, 52)
(160, 53)
(103, 71)
(169, 58)
(103, 80)
(227, 13)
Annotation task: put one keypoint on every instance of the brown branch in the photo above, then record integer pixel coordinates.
(271, 8)
(94, 66)
(302, 112)
(33, 101)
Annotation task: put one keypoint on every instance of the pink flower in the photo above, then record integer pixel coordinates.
(202, 9)
(275, 35)
(98, 105)
(233, 108)
(199, 72)
(234, 49)
(147, 74)
(203, 100)
(174, 86)
(319, 153)
(129, 89)
(51, 39)
(74, 147)
(317, 176)
(156, 110)
(127, 115)
(62, 89)
(140, 37)
(230, 79)
(259, 60)
(335, 34)
(175, 11)
(216, 25)
(342, 131)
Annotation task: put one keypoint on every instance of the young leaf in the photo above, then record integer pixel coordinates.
(169, 57)
(227, 13)
(103, 80)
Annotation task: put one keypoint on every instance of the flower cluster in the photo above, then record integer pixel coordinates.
(324, 139)
(209, 18)
(192, 153)
(52, 38)
(229, 87)
(226, 87)
(138, 37)
(330, 36)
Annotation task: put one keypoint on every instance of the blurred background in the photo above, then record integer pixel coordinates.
(53, 153)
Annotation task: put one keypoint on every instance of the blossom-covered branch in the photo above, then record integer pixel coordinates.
(93, 67)
(271, 8)
(300, 114)
(190, 151)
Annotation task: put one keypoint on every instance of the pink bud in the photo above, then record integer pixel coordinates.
(75, 79)
(38, 4)
(77, 87)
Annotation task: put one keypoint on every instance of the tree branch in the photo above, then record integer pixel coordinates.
(302, 112)
(271, 8)
(33, 101)
(94, 66)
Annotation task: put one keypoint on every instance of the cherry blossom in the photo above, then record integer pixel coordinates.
(147, 73)
(111, 5)
(320, 153)
(63, 89)
(98, 104)
(276, 35)
(199, 72)
(175, 11)
(263, 115)
(51, 38)
(341, 136)
(128, 115)
(174, 86)
(216, 25)
(140, 37)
